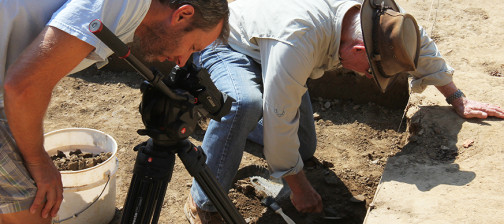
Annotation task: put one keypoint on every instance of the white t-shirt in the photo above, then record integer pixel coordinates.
(22, 20)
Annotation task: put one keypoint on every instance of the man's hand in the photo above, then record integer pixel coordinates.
(467, 108)
(49, 186)
(303, 196)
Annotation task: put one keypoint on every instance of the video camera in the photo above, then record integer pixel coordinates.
(175, 118)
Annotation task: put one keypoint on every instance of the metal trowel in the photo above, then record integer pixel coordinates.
(274, 188)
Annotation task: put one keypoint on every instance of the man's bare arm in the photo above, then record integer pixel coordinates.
(28, 86)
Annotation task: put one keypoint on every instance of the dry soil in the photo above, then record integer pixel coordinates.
(355, 138)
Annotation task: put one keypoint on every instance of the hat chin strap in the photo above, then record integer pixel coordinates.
(380, 10)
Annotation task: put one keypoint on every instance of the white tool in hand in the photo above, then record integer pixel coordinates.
(272, 190)
(270, 202)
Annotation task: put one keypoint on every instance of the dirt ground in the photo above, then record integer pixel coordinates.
(354, 141)
(355, 138)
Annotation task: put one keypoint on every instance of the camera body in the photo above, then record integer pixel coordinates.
(198, 83)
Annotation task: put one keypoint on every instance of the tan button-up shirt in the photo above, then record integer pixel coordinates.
(295, 40)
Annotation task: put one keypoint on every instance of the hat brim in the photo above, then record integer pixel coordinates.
(367, 14)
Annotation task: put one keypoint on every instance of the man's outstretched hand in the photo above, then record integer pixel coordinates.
(467, 108)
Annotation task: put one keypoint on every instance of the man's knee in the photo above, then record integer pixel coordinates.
(23, 217)
(251, 105)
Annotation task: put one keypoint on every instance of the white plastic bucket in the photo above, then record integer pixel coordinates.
(89, 194)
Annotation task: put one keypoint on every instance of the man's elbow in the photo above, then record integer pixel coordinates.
(10, 87)
(15, 88)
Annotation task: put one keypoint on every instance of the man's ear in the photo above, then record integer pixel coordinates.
(182, 15)
(358, 48)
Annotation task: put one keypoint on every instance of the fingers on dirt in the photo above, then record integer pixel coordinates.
(473, 113)
(490, 110)
(496, 112)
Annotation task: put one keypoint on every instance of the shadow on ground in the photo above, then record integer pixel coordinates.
(428, 159)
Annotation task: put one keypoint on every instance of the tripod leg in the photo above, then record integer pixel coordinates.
(151, 175)
(159, 203)
(194, 161)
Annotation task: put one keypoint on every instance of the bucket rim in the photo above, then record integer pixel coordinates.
(114, 153)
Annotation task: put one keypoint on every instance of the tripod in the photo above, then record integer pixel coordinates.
(170, 115)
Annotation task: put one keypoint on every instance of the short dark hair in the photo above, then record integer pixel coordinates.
(208, 13)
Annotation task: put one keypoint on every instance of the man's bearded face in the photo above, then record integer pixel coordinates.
(157, 42)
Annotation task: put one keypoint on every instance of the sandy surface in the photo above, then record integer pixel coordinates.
(439, 177)
(356, 139)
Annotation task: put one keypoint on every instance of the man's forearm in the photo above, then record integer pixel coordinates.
(448, 89)
(298, 183)
(26, 101)
(29, 82)
(25, 111)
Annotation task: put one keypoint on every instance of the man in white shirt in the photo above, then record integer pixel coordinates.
(44, 40)
(274, 47)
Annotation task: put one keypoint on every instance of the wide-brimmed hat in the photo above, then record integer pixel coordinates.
(391, 39)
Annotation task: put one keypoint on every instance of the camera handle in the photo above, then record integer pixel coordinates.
(156, 157)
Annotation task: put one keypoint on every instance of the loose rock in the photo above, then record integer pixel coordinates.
(77, 160)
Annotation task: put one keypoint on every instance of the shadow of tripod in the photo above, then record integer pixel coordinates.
(170, 112)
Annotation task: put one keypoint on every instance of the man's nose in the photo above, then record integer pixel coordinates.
(183, 59)
(181, 63)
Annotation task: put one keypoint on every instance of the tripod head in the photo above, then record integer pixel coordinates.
(172, 120)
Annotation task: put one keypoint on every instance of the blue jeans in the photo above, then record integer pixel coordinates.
(239, 76)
